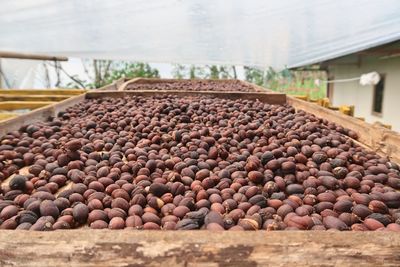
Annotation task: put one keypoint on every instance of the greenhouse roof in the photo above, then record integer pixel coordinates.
(255, 32)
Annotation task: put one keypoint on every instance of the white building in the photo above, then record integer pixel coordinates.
(375, 103)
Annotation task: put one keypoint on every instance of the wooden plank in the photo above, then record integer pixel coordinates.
(198, 248)
(123, 86)
(257, 87)
(270, 98)
(15, 105)
(42, 91)
(40, 114)
(381, 140)
(9, 97)
(114, 85)
(9, 54)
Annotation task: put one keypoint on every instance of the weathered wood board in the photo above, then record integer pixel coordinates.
(198, 248)
(16, 105)
(16, 97)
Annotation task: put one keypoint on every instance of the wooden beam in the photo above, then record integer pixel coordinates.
(8, 54)
(270, 98)
(114, 85)
(6, 97)
(15, 105)
(198, 248)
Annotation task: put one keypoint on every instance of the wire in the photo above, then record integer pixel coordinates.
(342, 80)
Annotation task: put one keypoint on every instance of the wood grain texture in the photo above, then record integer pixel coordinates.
(377, 138)
(270, 98)
(9, 97)
(198, 248)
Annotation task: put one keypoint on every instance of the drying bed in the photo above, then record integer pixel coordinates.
(193, 162)
(189, 85)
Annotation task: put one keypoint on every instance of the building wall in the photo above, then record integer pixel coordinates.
(352, 93)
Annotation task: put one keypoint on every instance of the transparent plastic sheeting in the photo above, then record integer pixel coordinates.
(17, 73)
(252, 32)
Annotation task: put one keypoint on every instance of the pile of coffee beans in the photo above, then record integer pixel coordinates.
(165, 162)
(193, 85)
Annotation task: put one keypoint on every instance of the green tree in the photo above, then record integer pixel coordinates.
(102, 72)
(179, 71)
(255, 75)
(131, 70)
(213, 72)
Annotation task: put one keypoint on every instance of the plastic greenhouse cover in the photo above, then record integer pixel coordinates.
(252, 32)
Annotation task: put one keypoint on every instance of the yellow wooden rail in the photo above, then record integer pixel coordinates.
(9, 97)
(42, 91)
(15, 105)
(344, 109)
(325, 102)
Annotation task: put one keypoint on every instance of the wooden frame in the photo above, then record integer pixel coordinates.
(114, 85)
(86, 247)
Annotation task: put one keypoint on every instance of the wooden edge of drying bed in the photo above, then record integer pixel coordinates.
(198, 248)
(275, 98)
(114, 85)
(160, 80)
(379, 139)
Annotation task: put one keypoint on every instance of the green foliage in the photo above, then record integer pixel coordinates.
(254, 75)
(104, 72)
(130, 70)
(178, 71)
(288, 81)
(213, 72)
(181, 71)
